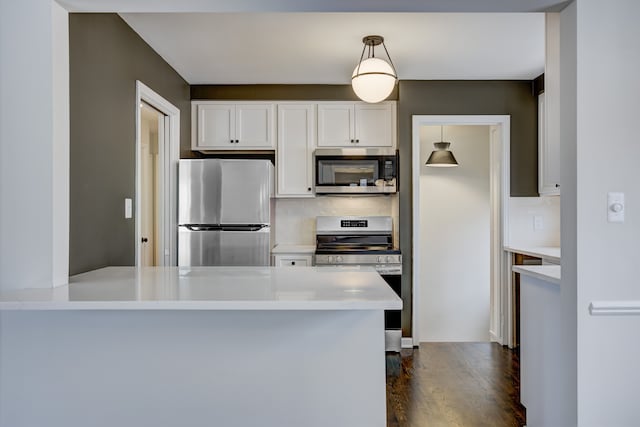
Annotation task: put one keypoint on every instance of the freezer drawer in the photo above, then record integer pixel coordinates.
(221, 247)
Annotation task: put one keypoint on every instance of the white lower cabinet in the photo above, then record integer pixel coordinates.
(293, 260)
(296, 142)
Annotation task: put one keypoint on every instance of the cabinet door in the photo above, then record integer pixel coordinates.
(374, 124)
(548, 153)
(296, 130)
(254, 126)
(216, 125)
(335, 125)
(549, 112)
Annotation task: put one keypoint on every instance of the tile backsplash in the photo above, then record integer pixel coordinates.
(296, 218)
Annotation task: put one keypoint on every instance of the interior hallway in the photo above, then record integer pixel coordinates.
(454, 385)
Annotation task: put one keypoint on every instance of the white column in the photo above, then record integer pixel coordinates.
(33, 144)
(607, 156)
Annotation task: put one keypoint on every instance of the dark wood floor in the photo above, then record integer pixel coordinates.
(454, 385)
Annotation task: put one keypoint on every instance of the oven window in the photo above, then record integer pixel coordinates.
(346, 172)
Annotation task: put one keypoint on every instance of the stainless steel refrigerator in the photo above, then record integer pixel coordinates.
(224, 212)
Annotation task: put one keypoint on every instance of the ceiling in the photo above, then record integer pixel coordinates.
(324, 48)
(318, 41)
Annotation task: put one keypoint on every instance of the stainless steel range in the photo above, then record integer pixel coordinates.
(366, 241)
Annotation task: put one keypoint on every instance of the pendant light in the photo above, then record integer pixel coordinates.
(374, 78)
(441, 157)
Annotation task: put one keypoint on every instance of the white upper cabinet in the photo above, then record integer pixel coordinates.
(296, 142)
(549, 112)
(548, 154)
(232, 126)
(348, 124)
(335, 125)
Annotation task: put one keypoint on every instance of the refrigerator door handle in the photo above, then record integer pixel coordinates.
(202, 227)
(256, 227)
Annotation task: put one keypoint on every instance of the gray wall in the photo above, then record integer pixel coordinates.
(457, 98)
(106, 59)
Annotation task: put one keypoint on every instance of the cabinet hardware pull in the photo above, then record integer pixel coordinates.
(352, 141)
(293, 263)
(557, 185)
(308, 188)
(357, 141)
(145, 240)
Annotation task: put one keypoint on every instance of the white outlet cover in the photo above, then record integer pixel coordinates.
(615, 207)
(538, 223)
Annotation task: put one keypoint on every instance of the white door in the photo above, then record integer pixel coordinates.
(373, 124)
(254, 125)
(336, 125)
(216, 125)
(295, 150)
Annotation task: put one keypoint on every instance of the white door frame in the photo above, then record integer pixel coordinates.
(168, 156)
(500, 167)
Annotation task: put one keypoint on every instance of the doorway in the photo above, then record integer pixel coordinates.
(442, 212)
(152, 127)
(157, 154)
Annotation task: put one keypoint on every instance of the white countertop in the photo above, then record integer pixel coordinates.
(213, 288)
(293, 249)
(548, 273)
(547, 253)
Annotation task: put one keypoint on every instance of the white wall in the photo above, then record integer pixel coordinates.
(34, 144)
(455, 238)
(607, 156)
(523, 210)
(296, 218)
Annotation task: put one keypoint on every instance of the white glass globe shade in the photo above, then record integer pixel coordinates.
(374, 87)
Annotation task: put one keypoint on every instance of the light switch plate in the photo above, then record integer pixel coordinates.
(128, 208)
(615, 207)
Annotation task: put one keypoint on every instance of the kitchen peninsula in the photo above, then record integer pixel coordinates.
(243, 346)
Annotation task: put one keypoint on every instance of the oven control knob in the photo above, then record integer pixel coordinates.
(388, 259)
(338, 258)
(380, 258)
(330, 259)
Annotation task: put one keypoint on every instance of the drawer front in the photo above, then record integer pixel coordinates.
(289, 261)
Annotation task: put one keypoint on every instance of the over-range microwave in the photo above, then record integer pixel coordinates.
(356, 170)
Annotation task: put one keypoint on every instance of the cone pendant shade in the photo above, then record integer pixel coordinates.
(441, 157)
